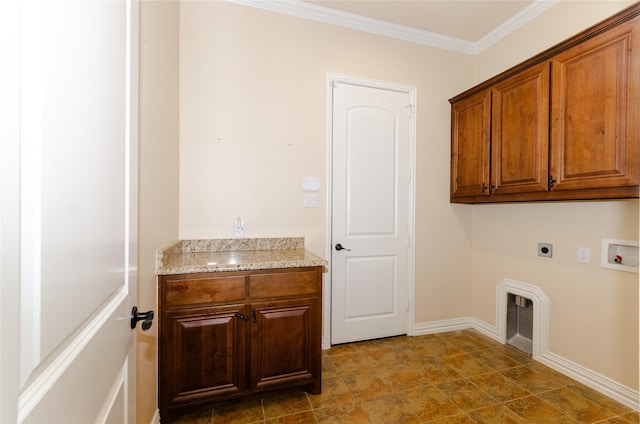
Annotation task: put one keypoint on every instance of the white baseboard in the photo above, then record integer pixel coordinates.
(434, 327)
(598, 382)
(602, 384)
(156, 417)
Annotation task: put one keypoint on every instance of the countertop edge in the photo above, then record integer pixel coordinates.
(256, 266)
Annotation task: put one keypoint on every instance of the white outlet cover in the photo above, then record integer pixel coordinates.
(584, 255)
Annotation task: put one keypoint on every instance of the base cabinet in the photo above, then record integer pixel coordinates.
(281, 349)
(203, 352)
(232, 334)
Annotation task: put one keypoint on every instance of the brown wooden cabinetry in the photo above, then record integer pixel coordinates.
(595, 116)
(280, 345)
(203, 352)
(471, 145)
(520, 132)
(231, 334)
(563, 125)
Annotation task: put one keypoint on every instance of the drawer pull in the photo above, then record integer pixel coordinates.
(241, 316)
(253, 315)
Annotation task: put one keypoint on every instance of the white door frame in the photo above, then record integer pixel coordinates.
(332, 78)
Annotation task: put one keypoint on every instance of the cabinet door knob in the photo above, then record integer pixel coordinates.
(253, 315)
(241, 316)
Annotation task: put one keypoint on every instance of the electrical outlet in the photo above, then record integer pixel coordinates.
(238, 227)
(584, 255)
(545, 250)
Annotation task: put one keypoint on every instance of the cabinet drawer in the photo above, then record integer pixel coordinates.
(283, 284)
(206, 290)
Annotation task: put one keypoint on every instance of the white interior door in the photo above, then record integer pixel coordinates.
(371, 212)
(74, 357)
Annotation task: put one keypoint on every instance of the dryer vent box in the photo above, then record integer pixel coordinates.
(545, 250)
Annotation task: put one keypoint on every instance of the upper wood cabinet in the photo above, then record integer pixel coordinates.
(595, 111)
(470, 145)
(562, 125)
(520, 132)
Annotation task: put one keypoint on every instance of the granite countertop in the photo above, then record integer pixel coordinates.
(218, 255)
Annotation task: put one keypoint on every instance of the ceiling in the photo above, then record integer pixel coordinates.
(466, 20)
(467, 26)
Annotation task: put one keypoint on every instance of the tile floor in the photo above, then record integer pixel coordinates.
(454, 378)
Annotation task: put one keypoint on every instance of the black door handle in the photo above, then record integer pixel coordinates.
(339, 247)
(145, 317)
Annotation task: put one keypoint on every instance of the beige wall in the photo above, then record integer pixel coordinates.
(593, 316)
(252, 103)
(593, 311)
(158, 173)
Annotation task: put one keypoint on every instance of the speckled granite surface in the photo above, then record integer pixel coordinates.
(243, 254)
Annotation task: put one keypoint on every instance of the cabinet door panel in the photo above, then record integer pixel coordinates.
(285, 343)
(520, 132)
(470, 145)
(595, 111)
(203, 354)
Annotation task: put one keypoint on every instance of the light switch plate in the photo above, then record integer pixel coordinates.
(310, 200)
(311, 184)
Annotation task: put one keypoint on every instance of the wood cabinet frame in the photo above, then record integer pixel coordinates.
(225, 335)
(566, 156)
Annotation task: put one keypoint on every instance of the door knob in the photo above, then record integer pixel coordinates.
(339, 247)
(145, 317)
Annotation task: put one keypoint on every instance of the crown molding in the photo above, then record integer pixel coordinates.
(327, 15)
(513, 23)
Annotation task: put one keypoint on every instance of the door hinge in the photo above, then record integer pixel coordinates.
(408, 176)
(410, 110)
(409, 241)
(408, 305)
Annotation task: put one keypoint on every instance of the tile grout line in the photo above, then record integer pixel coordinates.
(313, 410)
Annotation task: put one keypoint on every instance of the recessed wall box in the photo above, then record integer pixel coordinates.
(621, 255)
